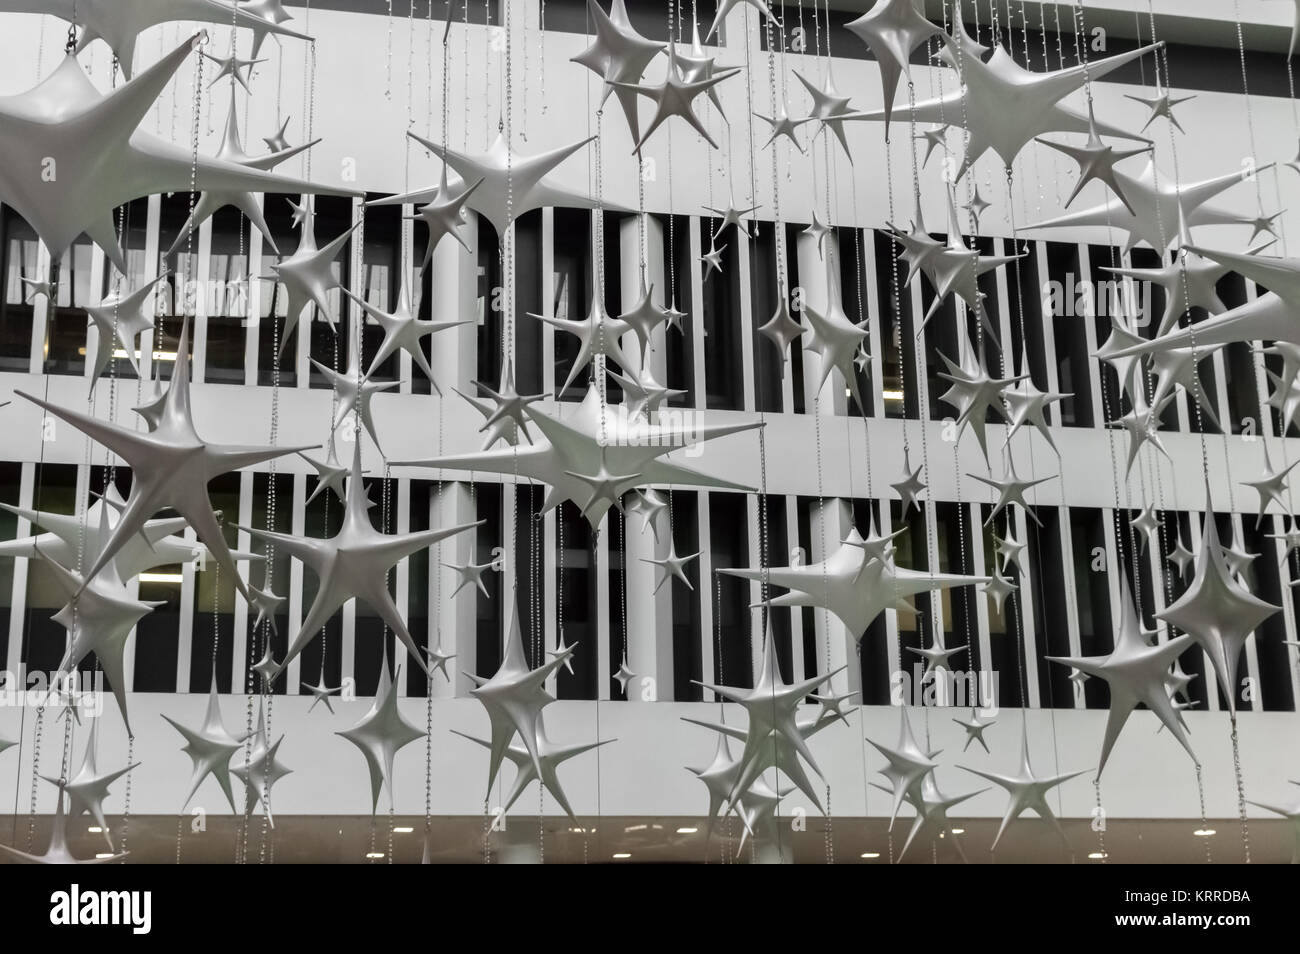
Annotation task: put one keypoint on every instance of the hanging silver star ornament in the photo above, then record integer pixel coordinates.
(1177, 368)
(906, 765)
(1135, 671)
(643, 395)
(403, 331)
(773, 708)
(1025, 790)
(209, 748)
(1026, 405)
(171, 466)
(470, 574)
(618, 55)
(68, 129)
(892, 30)
(444, 215)
(308, 276)
(233, 66)
(268, 14)
(505, 414)
(381, 734)
(935, 138)
(438, 659)
(1271, 487)
(321, 693)
(781, 329)
(267, 605)
(910, 487)
(936, 656)
(354, 563)
(120, 24)
(58, 852)
(719, 777)
(278, 142)
(354, 392)
(1142, 423)
(674, 567)
(646, 314)
(330, 475)
(648, 504)
(833, 336)
(712, 260)
(1188, 282)
(998, 588)
(1011, 490)
(673, 97)
(120, 320)
(975, 727)
(266, 668)
(1159, 203)
(501, 173)
(592, 436)
(261, 768)
(514, 698)
(624, 676)
(1096, 160)
(1237, 559)
(549, 758)
(782, 126)
(1216, 611)
(100, 616)
(1147, 523)
(1010, 550)
(732, 215)
(1263, 223)
(1181, 557)
(1004, 106)
(597, 334)
(977, 206)
(35, 288)
(828, 108)
(850, 583)
(818, 232)
(88, 788)
(1162, 104)
(725, 7)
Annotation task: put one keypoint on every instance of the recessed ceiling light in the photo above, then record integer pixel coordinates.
(1204, 832)
(870, 854)
(104, 854)
(375, 854)
(403, 830)
(95, 830)
(959, 831)
(687, 831)
(1097, 855)
(620, 855)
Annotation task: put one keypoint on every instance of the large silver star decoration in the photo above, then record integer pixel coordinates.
(171, 466)
(973, 391)
(853, 585)
(67, 128)
(403, 331)
(443, 214)
(1159, 204)
(834, 337)
(726, 6)
(354, 563)
(233, 66)
(505, 413)
(828, 108)
(975, 727)
(673, 566)
(910, 487)
(591, 436)
(1162, 104)
(1003, 106)
(503, 173)
(1096, 161)
(906, 764)
(1011, 490)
